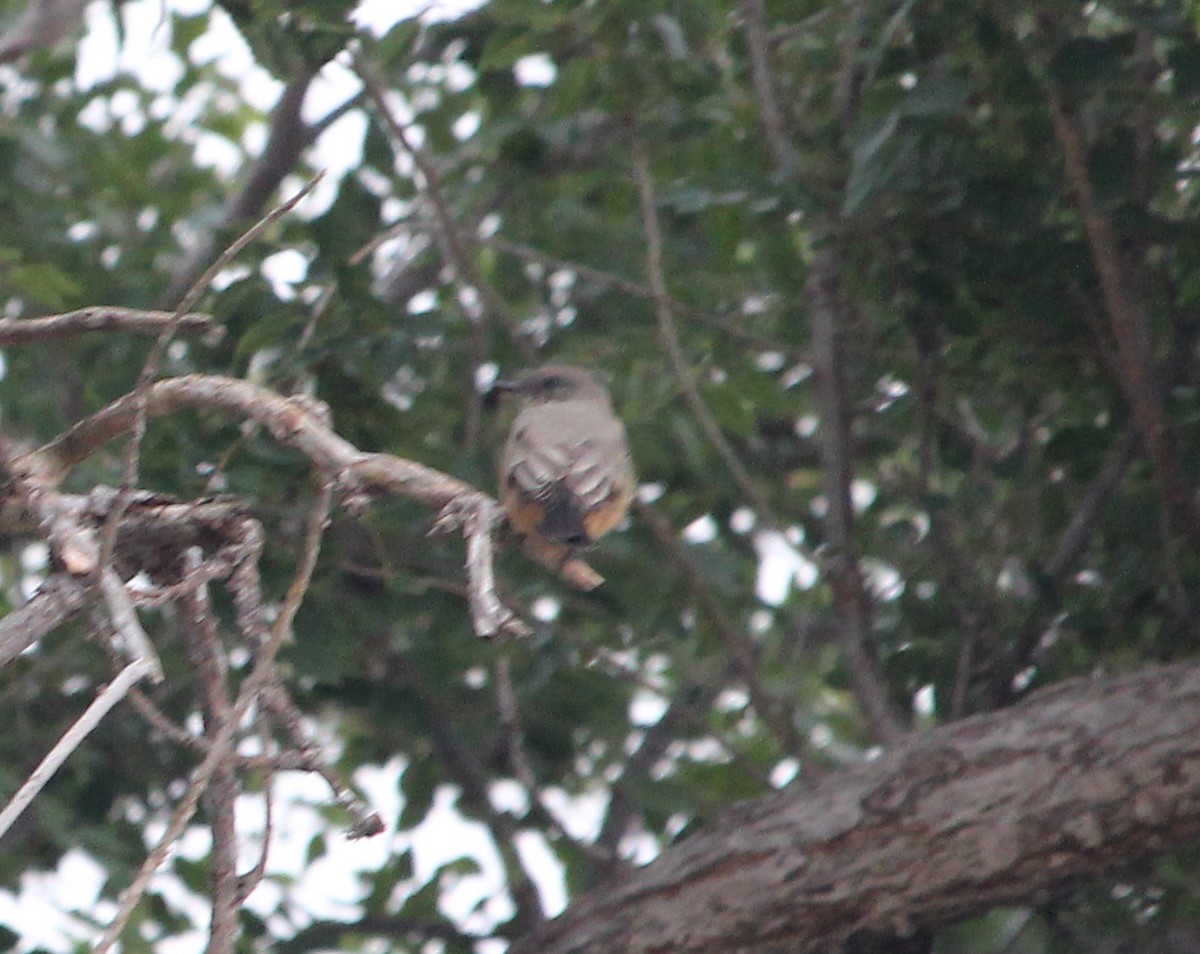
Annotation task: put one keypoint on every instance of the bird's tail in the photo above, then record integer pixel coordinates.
(562, 521)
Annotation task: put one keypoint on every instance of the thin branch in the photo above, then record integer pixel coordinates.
(365, 822)
(465, 768)
(203, 641)
(71, 739)
(108, 536)
(1061, 563)
(1139, 376)
(449, 238)
(287, 137)
(730, 324)
(489, 617)
(783, 153)
(774, 714)
(162, 724)
(251, 879)
(222, 742)
(669, 335)
(842, 565)
(128, 629)
(19, 331)
(624, 794)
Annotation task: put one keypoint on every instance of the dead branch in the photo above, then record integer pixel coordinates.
(108, 697)
(19, 331)
(292, 422)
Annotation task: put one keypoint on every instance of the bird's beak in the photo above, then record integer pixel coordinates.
(506, 385)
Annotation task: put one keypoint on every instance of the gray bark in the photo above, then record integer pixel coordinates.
(950, 822)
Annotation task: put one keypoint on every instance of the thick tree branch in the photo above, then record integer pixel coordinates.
(989, 810)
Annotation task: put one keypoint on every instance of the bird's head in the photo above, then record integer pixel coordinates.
(555, 382)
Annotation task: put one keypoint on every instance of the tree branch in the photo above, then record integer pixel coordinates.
(18, 331)
(1138, 375)
(842, 565)
(988, 810)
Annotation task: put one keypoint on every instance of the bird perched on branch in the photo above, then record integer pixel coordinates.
(566, 475)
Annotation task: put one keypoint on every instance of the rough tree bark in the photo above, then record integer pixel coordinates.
(950, 822)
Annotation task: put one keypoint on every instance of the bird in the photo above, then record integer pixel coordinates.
(566, 474)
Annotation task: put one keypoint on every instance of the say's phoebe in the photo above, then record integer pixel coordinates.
(566, 477)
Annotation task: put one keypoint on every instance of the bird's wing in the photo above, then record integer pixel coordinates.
(547, 452)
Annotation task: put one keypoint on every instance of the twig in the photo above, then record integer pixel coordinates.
(79, 730)
(136, 643)
(841, 564)
(365, 822)
(149, 370)
(160, 723)
(784, 154)
(203, 641)
(669, 335)
(221, 744)
(509, 713)
(251, 879)
(466, 769)
(728, 324)
(287, 136)
(489, 617)
(1063, 560)
(18, 331)
(624, 796)
(72, 544)
(446, 232)
(1139, 376)
(745, 663)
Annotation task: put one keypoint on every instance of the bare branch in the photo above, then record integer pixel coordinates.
(365, 822)
(453, 244)
(669, 335)
(19, 331)
(135, 643)
(203, 641)
(841, 564)
(477, 518)
(1139, 375)
(71, 739)
(783, 153)
(292, 422)
(742, 653)
(287, 136)
(221, 744)
(58, 599)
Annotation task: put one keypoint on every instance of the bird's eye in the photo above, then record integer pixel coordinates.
(552, 384)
